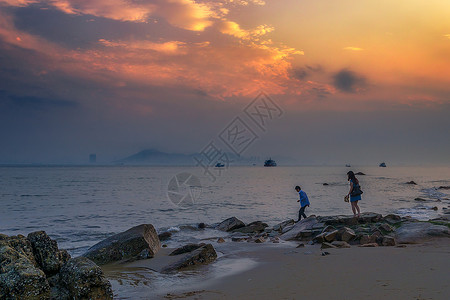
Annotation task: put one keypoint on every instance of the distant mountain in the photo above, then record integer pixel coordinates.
(157, 158)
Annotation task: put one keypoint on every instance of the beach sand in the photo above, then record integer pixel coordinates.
(420, 271)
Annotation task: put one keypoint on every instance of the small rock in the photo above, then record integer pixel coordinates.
(185, 249)
(220, 240)
(301, 245)
(239, 238)
(360, 173)
(325, 253)
(346, 234)
(329, 228)
(200, 256)
(434, 208)
(331, 236)
(260, 240)
(388, 241)
(420, 199)
(202, 226)
(164, 236)
(230, 224)
(341, 244)
(444, 187)
(164, 246)
(411, 182)
(369, 245)
(326, 245)
(275, 240)
(254, 227)
(386, 227)
(325, 183)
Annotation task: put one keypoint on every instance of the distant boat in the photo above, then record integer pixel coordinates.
(270, 163)
(348, 165)
(220, 165)
(383, 165)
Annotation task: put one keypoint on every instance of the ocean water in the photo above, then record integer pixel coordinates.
(79, 206)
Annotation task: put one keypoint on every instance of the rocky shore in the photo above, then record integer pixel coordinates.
(33, 267)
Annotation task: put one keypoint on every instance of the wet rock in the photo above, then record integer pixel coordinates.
(260, 240)
(254, 227)
(416, 232)
(392, 219)
(341, 244)
(275, 240)
(330, 236)
(301, 245)
(386, 227)
(81, 278)
(346, 234)
(329, 228)
(360, 173)
(126, 245)
(388, 241)
(20, 278)
(185, 249)
(164, 236)
(444, 187)
(434, 208)
(203, 255)
(230, 224)
(46, 252)
(295, 232)
(370, 217)
(325, 183)
(239, 238)
(279, 227)
(201, 225)
(411, 182)
(420, 199)
(326, 245)
(220, 240)
(368, 239)
(369, 245)
(320, 238)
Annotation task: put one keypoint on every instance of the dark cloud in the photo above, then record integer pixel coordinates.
(306, 71)
(348, 81)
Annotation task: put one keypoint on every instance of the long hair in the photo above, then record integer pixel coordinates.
(352, 177)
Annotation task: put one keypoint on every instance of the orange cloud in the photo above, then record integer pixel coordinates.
(353, 48)
(18, 3)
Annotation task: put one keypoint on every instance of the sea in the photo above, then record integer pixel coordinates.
(79, 206)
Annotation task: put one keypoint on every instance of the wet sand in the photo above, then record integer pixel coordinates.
(415, 272)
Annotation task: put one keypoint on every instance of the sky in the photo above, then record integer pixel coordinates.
(353, 81)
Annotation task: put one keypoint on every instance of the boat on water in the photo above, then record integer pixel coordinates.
(383, 165)
(219, 165)
(270, 163)
(348, 165)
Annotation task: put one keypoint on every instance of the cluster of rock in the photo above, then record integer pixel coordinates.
(369, 230)
(33, 267)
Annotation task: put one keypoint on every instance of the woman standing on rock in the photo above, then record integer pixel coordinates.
(354, 193)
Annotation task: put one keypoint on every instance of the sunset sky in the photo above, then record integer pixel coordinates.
(358, 80)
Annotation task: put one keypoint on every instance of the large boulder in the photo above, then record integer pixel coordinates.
(200, 256)
(416, 232)
(185, 249)
(46, 252)
(295, 233)
(280, 226)
(346, 234)
(81, 278)
(20, 278)
(139, 242)
(252, 228)
(230, 224)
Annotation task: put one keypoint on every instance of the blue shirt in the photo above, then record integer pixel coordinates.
(303, 198)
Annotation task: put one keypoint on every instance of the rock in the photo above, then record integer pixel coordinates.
(164, 236)
(279, 227)
(239, 238)
(370, 217)
(385, 227)
(220, 240)
(369, 245)
(201, 225)
(388, 241)
(275, 240)
(360, 173)
(346, 234)
(326, 245)
(368, 239)
(46, 252)
(434, 208)
(260, 240)
(301, 245)
(320, 238)
(185, 249)
(350, 220)
(230, 224)
(392, 219)
(295, 232)
(329, 228)
(19, 276)
(341, 244)
(325, 183)
(81, 278)
(411, 182)
(331, 236)
(126, 245)
(254, 227)
(416, 232)
(199, 256)
(420, 199)
(444, 187)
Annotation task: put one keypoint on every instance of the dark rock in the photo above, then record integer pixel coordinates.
(388, 241)
(279, 227)
(164, 236)
(239, 238)
(185, 249)
(346, 234)
(254, 227)
(301, 245)
(386, 227)
(330, 236)
(360, 173)
(199, 256)
(329, 228)
(369, 245)
(46, 252)
(220, 240)
(296, 231)
(392, 219)
(126, 245)
(81, 278)
(434, 208)
(341, 244)
(420, 199)
(230, 224)
(20, 278)
(320, 238)
(325, 183)
(416, 232)
(444, 187)
(201, 225)
(260, 240)
(275, 240)
(411, 182)
(326, 245)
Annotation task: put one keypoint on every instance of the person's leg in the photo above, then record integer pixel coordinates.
(301, 213)
(353, 208)
(357, 208)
